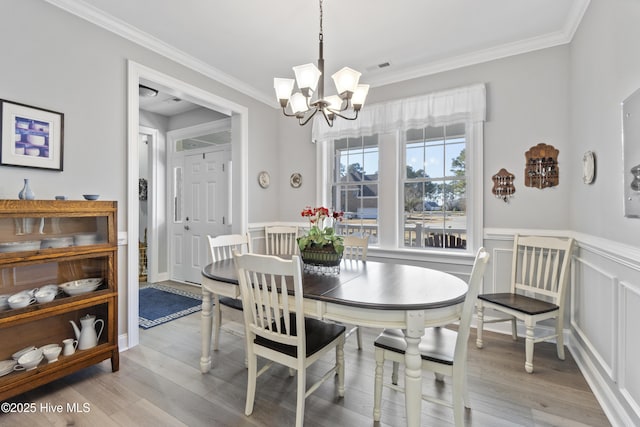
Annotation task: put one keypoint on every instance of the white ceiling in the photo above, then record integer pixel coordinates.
(245, 43)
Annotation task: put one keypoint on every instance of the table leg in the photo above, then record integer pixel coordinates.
(413, 367)
(205, 331)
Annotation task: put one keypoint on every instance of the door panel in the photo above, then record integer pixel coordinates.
(205, 203)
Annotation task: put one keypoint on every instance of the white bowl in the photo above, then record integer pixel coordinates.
(17, 354)
(83, 286)
(28, 245)
(52, 353)
(45, 295)
(56, 242)
(85, 239)
(51, 288)
(20, 300)
(4, 303)
(31, 359)
(6, 366)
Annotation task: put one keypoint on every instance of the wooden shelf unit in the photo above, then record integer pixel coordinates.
(91, 226)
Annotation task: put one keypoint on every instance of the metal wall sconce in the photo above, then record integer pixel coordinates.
(503, 187)
(541, 170)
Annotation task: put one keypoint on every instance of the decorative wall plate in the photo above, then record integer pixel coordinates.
(588, 167)
(263, 179)
(295, 180)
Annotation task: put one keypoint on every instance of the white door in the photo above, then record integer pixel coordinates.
(205, 189)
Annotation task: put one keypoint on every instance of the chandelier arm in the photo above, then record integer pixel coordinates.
(345, 117)
(327, 119)
(284, 111)
(302, 123)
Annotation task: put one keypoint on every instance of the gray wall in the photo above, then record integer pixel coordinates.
(527, 103)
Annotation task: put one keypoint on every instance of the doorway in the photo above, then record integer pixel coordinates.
(239, 188)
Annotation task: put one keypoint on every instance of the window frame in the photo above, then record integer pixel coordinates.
(391, 148)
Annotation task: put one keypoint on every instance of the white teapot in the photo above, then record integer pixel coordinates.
(87, 336)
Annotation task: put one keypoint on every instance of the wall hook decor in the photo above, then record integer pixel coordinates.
(541, 170)
(503, 187)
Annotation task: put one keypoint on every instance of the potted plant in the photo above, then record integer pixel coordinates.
(321, 245)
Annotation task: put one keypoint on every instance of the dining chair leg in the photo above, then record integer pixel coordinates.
(514, 329)
(394, 373)
(530, 339)
(217, 321)
(480, 322)
(340, 366)
(205, 332)
(458, 398)
(302, 389)
(359, 338)
(377, 390)
(251, 382)
(560, 336)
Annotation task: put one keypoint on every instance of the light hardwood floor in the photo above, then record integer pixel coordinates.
(159, 384)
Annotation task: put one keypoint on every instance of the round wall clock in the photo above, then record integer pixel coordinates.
(588, 167)
(295, 180)
(264, 179)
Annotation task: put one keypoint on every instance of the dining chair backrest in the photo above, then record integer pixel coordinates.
(355, 247)
(222, 247)
(540, 267)
(265, 282)
(474, 283)
(281, 240)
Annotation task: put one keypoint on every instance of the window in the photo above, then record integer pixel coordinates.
(435, 182)
(409, 172)
(355, 185)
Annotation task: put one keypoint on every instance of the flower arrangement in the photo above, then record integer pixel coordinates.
(321, 232)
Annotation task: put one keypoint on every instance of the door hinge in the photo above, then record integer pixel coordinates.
(223, 167)
(223, 221)
(204, 156)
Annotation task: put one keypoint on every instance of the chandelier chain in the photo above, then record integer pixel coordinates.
(321, 35)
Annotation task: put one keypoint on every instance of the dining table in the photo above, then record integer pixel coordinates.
(363, 293)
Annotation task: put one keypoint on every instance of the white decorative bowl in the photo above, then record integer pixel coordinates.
(6, 366)
(83, 286)
(56, 242)
(31, 359)
(17, 354)
(45, 295)
(52, 353)
(20, 300)
(28, 245)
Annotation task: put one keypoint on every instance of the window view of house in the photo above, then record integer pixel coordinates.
(355, 187)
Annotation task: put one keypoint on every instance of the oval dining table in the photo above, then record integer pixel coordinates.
(364, 293)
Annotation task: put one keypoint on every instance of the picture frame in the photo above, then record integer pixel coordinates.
(30, 137)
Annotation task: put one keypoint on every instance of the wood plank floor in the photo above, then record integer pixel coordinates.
(160, 384)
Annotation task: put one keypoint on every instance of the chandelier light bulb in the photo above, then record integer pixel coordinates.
(346, 80)
(307, 76)
(298, 103)
(359, 96)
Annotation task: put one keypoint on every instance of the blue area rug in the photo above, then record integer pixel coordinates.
(160, 304)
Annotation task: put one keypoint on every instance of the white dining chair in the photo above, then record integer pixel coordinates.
(443, 351)
(355, 249)
(539, 275)
(275, 329)
(281, 240)
(221, 248)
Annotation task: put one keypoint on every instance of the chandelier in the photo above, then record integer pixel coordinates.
(310, 81)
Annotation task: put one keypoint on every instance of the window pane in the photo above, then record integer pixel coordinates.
(435, 201)
(356, 189)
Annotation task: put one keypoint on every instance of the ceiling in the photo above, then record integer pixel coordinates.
(245, 43)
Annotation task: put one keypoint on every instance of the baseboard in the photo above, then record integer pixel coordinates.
(602, 391)
(123, 342)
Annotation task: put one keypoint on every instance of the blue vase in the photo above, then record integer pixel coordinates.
(26, 193)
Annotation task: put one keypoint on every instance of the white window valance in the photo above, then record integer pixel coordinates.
(464, 104)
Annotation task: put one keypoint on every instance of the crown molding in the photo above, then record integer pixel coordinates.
(128, 32)
(508, 49)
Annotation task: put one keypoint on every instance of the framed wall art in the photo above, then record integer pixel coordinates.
(30, 136)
